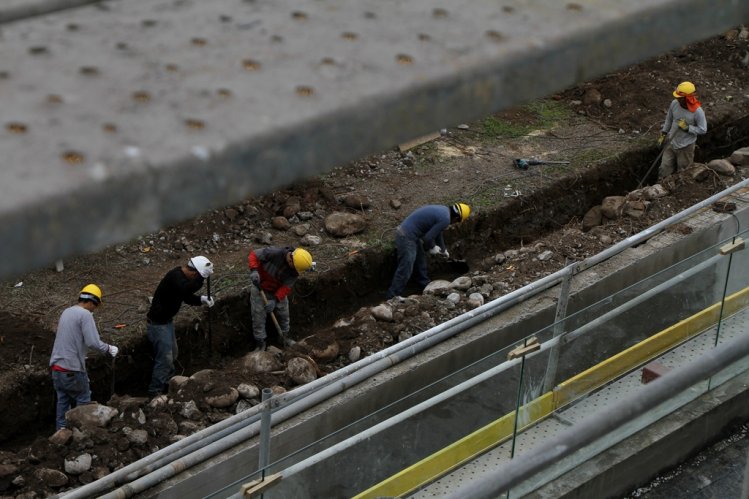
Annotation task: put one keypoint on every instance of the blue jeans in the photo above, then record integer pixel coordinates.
(411, 256)
(164, 354)
(72, 389)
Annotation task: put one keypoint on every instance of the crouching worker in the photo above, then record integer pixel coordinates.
(421, 231)
(273, 272)
(76, 333)
(178, 286)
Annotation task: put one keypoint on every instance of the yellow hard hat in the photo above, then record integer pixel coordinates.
(462, 209)
(91, 292)
(685, 88)
(302, 260)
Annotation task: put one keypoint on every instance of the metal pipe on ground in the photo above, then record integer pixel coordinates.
(394, 354)
(604, 421)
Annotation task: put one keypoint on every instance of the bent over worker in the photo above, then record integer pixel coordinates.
(421, 231)
(76, 333)
(178, 286)
(685, 120)
(273, 272)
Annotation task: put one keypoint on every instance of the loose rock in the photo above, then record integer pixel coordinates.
(341, 224)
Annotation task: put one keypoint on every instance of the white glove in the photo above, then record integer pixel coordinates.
(113, 350)
(436, 250)
(207, 300)
(445, 254)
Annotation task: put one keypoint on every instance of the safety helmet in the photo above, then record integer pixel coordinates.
(685, 88)
(302, 260)
(91, 292)
(462, 210)
(202, 265)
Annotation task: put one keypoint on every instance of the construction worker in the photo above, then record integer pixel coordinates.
(422, 231)
(76, 333)
(685, 120)
(178, 286)
(273, 272)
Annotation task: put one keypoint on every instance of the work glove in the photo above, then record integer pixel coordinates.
(270, 306)
(445, 254)
(113, 350)
(207, 301)
(255, 278)
(661, 138)
(436, 250)
(683, 124)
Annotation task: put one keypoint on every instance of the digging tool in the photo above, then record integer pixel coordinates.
(523, 164)
(210, 332)
(111, 389)
(657, 158)
(275, 321)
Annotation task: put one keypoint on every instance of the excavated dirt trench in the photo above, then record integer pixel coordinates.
(320, 300)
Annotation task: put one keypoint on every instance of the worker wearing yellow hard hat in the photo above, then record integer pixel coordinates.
(685, 120)
(76, 334)
(420, 232)
(273, 272)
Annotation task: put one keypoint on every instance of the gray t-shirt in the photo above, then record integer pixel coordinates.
(682, 138)
(76, 332)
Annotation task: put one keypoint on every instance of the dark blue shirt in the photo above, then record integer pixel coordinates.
(427, 223)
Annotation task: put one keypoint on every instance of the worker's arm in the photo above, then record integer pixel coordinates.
(91, 335)
(252, 261)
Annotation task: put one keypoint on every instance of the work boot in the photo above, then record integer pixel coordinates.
(259, 346)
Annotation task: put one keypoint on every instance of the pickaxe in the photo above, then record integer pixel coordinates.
(286, 341)
(523, 164)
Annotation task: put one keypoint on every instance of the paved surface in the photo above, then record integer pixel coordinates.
(715, 472)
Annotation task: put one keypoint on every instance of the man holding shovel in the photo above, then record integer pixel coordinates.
(685, 120)
(273, 272)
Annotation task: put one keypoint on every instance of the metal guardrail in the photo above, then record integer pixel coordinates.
(122, 117)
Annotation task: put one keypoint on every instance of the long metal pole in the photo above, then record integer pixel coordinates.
(604, 421)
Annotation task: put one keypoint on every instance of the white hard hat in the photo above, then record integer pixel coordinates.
(201, 264)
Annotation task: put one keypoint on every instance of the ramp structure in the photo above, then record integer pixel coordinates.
(121, 117)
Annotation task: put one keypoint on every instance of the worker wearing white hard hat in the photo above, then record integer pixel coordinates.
(178, 286)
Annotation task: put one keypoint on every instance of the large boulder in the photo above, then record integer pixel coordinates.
(91, 414)
(301, 371)
(341, 224)
(593, 218)
(740, 157)
(438, 287)
(261, 362)
(221, 398)
(722, 167)
(611, 206)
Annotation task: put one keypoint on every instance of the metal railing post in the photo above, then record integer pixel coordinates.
(265, 427)
(561, 313)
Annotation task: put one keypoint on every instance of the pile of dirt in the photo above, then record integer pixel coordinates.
(526, 224)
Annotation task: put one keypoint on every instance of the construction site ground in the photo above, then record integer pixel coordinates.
(606, 129)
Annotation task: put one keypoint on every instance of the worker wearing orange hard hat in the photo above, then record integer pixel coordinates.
(685, 120)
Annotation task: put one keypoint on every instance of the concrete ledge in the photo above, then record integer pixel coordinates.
(660, 446)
